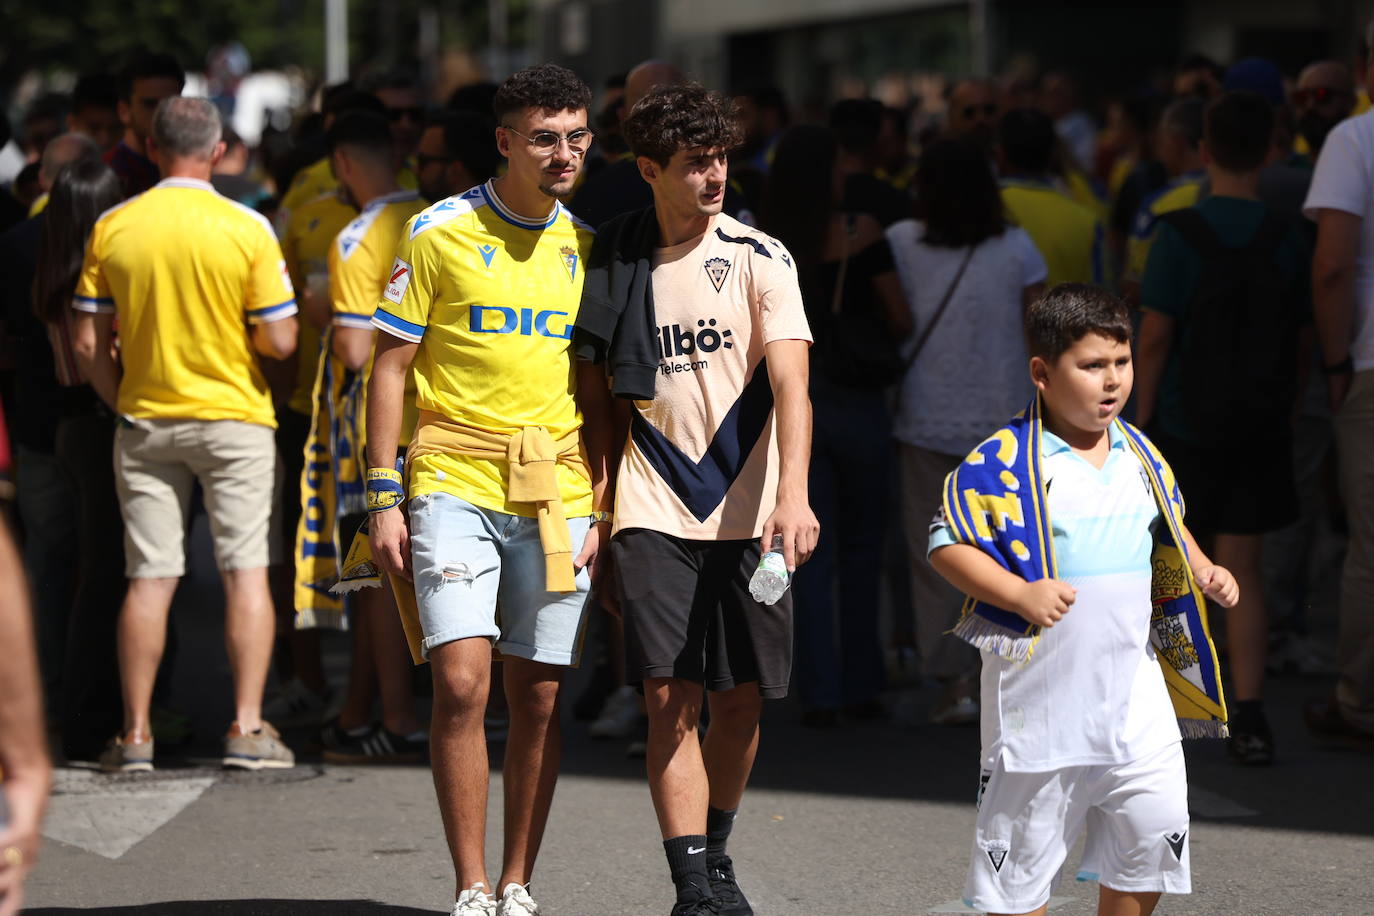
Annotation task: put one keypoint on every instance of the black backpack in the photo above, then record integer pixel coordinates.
(1238, 352)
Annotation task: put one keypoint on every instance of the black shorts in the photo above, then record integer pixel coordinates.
(688, 613)
(1233, 490)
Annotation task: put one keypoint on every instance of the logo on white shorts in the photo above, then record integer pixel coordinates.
(997, 853)
(400, 279)
(1175, 841)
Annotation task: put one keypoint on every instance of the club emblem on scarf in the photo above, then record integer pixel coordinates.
(569, 260)
(717, 269)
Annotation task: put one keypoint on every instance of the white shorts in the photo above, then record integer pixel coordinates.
(1136, 815)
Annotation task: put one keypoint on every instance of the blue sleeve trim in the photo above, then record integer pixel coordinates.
(350, 320)
(273, 312)
(398, 327)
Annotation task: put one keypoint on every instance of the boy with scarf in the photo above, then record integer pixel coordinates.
(1086, 595)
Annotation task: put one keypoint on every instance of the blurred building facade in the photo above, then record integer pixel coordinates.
(817, 50)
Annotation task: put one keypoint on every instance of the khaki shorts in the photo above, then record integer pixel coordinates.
(156, 465)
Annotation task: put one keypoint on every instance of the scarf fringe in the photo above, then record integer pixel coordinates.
(347, 586)
(990, 637)
(1203, 728)
(311, 618)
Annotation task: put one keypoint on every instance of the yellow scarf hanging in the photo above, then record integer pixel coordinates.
(533, 456)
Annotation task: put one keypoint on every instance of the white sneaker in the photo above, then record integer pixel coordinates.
(474, 902)
(516, 901)
(619, 716)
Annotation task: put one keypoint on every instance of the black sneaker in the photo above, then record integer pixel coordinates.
(726, 888)
(1251, 744)
(379, 745)
(692, 901)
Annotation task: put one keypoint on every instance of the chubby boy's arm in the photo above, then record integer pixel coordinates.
(1215, 581)
(973, 572)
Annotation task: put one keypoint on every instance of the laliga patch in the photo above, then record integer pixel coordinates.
(400, 279)
(717, 269)
(997, 852)
(286, 278)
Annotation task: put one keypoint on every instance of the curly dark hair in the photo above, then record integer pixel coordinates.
(548, 87)
(1070, 311)
(687, 116)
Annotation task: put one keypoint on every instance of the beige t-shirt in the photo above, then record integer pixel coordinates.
(701, 461)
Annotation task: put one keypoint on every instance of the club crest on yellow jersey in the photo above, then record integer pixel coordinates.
(570, 259)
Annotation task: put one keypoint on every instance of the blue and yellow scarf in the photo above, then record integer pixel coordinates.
(331, 488)
(995, 501)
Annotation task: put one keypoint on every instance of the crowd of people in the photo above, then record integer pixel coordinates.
(398, 357)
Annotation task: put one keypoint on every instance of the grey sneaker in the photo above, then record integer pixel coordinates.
(262, 749)
(119, 757)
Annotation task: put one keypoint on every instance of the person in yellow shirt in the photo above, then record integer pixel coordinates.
(481, 301)
(360, 259)
(197, 284)
(1067, 234)
(1179, 146)
(318, 177)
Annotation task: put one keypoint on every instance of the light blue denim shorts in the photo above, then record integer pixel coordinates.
(481, 573)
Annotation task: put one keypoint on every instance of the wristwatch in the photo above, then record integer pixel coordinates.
(601, 516)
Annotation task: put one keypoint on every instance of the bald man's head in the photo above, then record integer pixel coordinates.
(61, 152)
(1325, 96)
(646, 76)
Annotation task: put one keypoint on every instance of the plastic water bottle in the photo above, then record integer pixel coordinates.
(770, 579)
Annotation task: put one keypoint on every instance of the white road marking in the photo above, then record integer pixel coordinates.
(110, 815)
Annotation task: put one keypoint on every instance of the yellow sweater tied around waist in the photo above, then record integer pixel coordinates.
(533, 456)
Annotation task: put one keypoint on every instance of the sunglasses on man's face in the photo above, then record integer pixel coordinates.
(1318, 95)
(396, 114)
(986, 111)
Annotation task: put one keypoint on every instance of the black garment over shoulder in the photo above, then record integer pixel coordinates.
(616, 325)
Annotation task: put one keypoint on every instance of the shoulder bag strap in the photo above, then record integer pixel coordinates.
(941, 308)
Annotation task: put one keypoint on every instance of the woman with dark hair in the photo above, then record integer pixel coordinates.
(89, 707)
(858, 317)
(968, 277)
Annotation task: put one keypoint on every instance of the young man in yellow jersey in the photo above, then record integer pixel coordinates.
(481, 301)
(363, 155)
(200, 291)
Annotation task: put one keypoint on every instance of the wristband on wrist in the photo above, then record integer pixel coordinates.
(1344, 367)
(385, 490)
(600, 516)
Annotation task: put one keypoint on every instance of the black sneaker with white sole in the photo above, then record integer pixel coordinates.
(379, 745)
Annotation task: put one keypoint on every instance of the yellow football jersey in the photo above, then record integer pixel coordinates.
(185, 270)
(305, 242)
(491, 298)
(1183, 192)
(318, 178)
(1067, 234)
(360, 262)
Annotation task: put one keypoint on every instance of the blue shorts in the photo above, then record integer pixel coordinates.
(481, 573)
